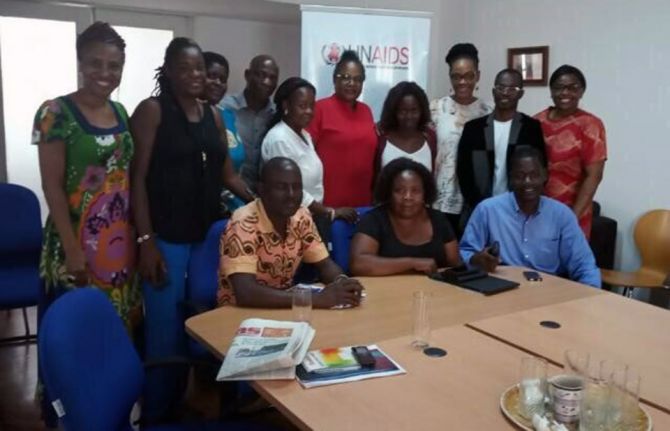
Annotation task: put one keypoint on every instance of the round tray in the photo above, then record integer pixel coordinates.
(509, 404)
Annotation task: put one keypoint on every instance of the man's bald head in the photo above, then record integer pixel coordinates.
(259, 60)
(261, 76)
(280, 187)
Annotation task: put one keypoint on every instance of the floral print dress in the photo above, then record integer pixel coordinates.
(97, 187)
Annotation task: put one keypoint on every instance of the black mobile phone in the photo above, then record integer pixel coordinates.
(532, 276)
(494, 250)
(363, 356)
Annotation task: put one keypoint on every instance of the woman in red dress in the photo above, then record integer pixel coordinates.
(343, 132)
(576, 145)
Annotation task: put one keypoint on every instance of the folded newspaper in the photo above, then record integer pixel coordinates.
(266, 350)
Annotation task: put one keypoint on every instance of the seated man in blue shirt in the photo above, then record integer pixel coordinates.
(533, 231)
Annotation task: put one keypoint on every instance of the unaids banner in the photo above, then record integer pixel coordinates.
(393, 46)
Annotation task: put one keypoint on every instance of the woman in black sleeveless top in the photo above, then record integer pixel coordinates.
(179, 170)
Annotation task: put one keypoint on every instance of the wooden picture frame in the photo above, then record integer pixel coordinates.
(532, 62)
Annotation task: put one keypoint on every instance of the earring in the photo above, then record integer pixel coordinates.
(451, 91)
(476, 87)
(285, 111)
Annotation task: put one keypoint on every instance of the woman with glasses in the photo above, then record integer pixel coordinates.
(449, 114)
(488, 142)
(576, 145)
(344, 135)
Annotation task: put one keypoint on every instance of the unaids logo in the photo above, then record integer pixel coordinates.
(331, 53)
(375, 56)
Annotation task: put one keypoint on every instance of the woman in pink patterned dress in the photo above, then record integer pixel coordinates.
(576, 145)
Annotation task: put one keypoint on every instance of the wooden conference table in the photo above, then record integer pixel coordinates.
(459, 391)
(606, 326)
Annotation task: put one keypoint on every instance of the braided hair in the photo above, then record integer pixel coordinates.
(177, 45)
(99, 32)
(283, 93)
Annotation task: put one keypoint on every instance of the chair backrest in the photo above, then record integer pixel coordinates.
(341, 234)
(20, 222)
(20, 246)
(652, 238)
(203, 267)
(88, 362)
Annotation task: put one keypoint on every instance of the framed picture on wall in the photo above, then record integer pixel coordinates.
(532, 62)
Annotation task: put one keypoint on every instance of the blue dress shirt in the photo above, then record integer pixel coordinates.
(548, 241)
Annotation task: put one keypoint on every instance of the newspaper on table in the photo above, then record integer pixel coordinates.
(266, 350)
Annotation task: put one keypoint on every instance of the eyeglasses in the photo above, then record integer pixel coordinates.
(504, 89)
(467, 77)
(348, 79)
(571, 87)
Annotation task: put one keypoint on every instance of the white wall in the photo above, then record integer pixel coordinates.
(240, 40)
(622, 48)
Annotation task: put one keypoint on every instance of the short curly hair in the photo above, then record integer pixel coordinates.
(384, 186)
(567, 69)
(389, 118)
(212, 58)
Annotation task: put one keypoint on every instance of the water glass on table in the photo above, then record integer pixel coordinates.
(421, 319)
(594, 407)
(623, 403)
(302, 303)
(532, 386)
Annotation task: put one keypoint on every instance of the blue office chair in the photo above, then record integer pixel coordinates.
(20, 246)
(202, 279)
(341, 234)
(91, 369)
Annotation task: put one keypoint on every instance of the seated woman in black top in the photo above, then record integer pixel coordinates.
(403, 234)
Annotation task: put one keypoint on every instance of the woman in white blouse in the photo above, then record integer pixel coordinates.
(287, 137)
(449, 114)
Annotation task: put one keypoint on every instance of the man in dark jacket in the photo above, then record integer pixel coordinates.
(487, 142)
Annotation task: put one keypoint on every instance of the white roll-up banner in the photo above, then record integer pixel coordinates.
(393, 46)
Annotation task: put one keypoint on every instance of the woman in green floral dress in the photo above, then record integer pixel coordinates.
(85, 150)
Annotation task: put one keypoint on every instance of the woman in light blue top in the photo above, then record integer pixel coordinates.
(215, 88)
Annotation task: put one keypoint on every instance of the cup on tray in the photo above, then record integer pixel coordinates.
(566, 390)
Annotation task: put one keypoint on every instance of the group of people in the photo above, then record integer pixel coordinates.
(130, 197)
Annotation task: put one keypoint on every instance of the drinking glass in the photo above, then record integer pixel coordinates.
(595, 405)
(420, 319)
(622, 412)
(302, 303)
(532, 386)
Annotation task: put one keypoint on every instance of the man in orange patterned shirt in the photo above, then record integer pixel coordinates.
(266, 240)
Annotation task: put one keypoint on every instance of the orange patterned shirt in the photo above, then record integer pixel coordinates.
(251, 245)
(573, 143)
